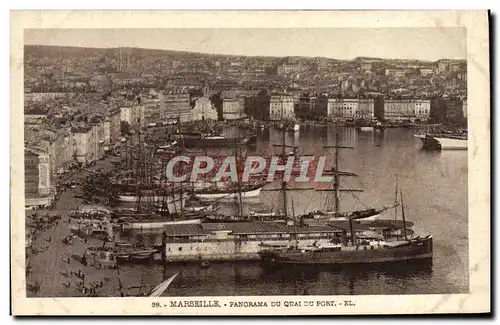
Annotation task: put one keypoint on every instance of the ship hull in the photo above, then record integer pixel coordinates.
(150, 225)
(452, 144)
(440, 143)
(418, 250)
(228, 195)
(173, 204)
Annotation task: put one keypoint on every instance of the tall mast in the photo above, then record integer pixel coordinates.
(396, 199)
(283, 183)
(240, 200)
(403, 215)
(337, 172)
(295, 225)
(137, 170)
(336, 185)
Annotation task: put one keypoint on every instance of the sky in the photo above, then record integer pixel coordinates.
(338, 43)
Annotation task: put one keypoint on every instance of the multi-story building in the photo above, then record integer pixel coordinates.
(114, 125)
(281, 107)
(442, 66)
(31, 173)
(366, 108)
(398, 109)
(35, 117)
(422, 109)
(99, 136)
(425, 72)
(62, 150)
(284, 69)
(232, 109)
(310, 106)
(257, 106)
(133, 115)
(39, 96)
(176, 104)
(85, 143)
(395, 72)
(152, 109)
(406, 109)
(343, 107)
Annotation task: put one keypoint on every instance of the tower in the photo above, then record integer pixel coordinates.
(206, 90)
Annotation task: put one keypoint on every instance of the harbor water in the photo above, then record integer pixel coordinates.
(434, 186)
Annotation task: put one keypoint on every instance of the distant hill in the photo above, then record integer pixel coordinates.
(62, 51)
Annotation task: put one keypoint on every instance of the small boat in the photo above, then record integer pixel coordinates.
(366, 128)
(205, 264)
(142, 255)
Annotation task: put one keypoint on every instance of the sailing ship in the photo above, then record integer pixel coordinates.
(359, 243)
(150, 209)
(328, 215)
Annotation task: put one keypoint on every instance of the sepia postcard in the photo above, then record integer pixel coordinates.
(250, 163)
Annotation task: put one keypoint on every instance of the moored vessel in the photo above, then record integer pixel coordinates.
(443, 141)
(217, 193)
(364, 239)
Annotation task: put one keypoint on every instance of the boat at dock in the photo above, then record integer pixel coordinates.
(244, 241)
(127, 252)
(365, 239)
(217, 193)
(149, 222)
(210, 141)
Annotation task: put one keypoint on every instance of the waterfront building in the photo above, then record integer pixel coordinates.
(281, 107)
(232, 109)
(343, 108)
(398, 109)
(311, 106)
(366, 108)
(422, 109)
(257, 106)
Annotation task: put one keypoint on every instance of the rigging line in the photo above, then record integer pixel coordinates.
(355, 197)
